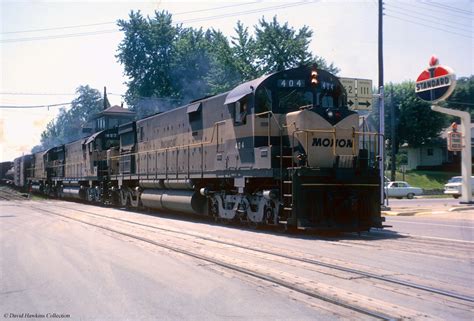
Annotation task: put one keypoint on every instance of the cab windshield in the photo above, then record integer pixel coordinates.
(294, 99)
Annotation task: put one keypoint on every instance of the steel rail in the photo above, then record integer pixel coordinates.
(309, 261)
(234, 267)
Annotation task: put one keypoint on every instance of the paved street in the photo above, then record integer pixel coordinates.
(460, 228)
(432, 217)
(51, 265)
(96, 263)
(421, 202)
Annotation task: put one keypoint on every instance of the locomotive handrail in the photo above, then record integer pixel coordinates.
(376, 142)
(272, 116)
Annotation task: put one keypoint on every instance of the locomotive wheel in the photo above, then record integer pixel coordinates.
(115, 198)
(214, 209)
(124, 199)
(268, 215)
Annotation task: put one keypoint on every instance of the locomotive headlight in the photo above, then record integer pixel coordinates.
(330, 114)
(314, 78)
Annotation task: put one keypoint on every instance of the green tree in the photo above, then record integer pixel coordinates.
(462, 97)
(278, 47)
(191, 63)
(225, 69)
(244, 53)
(168, 65)
(67, 126)
(147, 53)
(416, 124)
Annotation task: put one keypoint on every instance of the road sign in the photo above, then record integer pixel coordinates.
(435, 83)
(359, 93)
(364, 89)
(455, 141)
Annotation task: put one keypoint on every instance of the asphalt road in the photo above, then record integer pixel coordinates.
(432, 217)
(51, 265)
(423, 202)
(428, 226)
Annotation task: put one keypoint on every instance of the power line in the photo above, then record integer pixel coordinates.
(215, 8)
(424, 14)
(427, 7)
(93, 33)
(396, 11)
(453, 9)
(432, 27)
(32, 106)
(35, 94)
(60, 28)
(71, 35)
(247, 12)
(114, 22)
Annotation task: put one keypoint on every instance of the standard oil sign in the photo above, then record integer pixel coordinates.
(435, 83)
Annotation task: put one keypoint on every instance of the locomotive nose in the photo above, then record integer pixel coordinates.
(317, 141)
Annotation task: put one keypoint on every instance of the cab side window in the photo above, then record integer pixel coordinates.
(263, 101)
(241, 110)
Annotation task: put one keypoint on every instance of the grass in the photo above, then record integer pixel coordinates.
(425, 179)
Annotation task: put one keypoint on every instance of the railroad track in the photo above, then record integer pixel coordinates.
(9, 194)
(360, 273)
(263, 276)
(234, 267)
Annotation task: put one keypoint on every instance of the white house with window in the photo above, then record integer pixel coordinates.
(434, 154)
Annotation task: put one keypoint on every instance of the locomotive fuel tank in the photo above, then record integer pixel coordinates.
(71, 192)
(185, 201)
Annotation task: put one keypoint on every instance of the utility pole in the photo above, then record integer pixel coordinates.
(381, 105)
(392, 135)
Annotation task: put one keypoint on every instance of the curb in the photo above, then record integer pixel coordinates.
(424, 211)
(393, 213)
(463, 208)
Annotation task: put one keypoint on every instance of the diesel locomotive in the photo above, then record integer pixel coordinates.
(283, 149)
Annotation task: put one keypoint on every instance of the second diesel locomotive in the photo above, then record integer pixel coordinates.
(280, 149)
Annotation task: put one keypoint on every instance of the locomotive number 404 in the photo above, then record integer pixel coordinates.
(290, 83)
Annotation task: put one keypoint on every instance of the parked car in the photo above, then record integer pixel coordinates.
(454, 186)
(400, 189)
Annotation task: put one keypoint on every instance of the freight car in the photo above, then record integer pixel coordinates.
(280, 149)
(21, 166)
(6, 172)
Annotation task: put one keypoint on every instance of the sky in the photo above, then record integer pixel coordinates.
(49, 48)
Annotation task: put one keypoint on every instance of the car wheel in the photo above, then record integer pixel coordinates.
(456, 196)
(410, 196)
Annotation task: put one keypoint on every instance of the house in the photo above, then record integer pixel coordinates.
(109, 118)
(435, 155)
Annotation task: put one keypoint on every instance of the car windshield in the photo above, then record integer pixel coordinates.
(455, 180)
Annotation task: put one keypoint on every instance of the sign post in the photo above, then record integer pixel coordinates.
(465, 147)
(359, 93)
(454, 141)
(434, 85)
